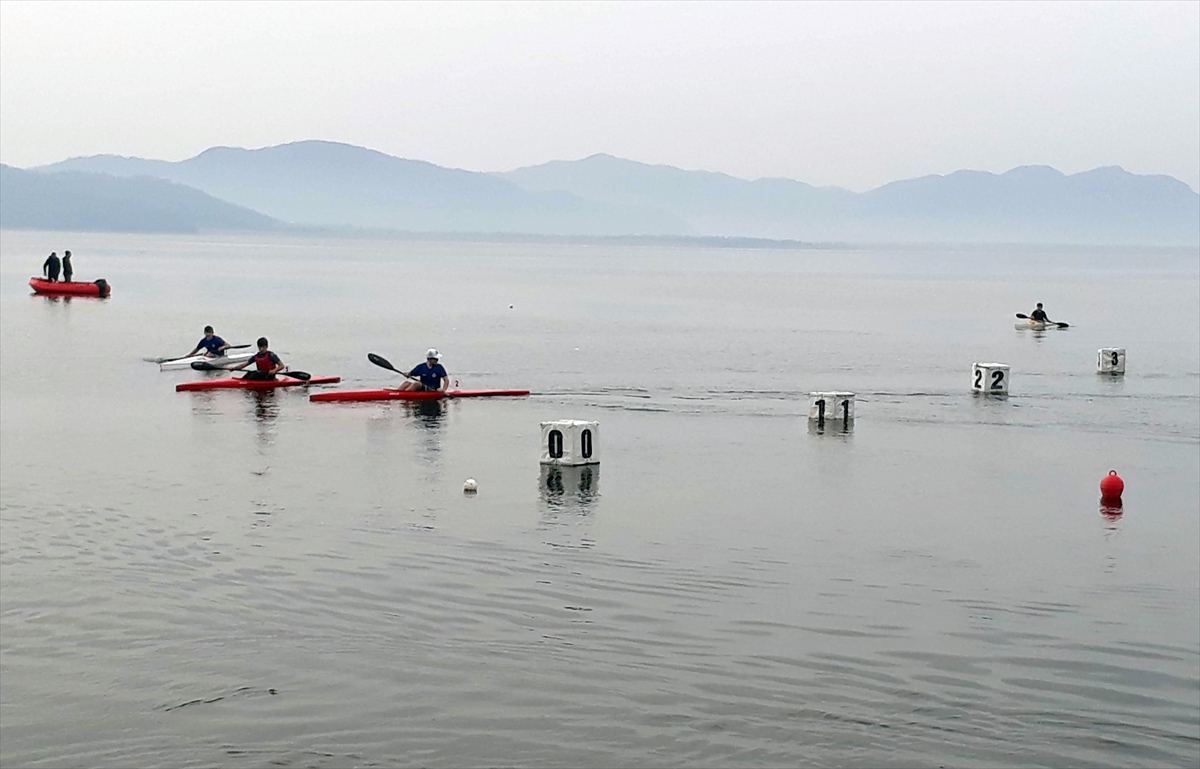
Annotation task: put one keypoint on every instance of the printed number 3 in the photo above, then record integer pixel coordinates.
(1115, 359)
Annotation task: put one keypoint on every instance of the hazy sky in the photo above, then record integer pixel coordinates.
(854, 94)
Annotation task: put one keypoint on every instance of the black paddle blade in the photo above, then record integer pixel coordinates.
(379, 360)
(303, 376)
(201, 365)
(1022, 316)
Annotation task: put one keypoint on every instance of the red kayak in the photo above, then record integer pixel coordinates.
(410, 395)
(70, 288)
(237, 383)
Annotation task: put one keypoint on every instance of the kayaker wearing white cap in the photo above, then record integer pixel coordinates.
(431, 374)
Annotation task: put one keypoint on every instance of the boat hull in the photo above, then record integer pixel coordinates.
(234, 383)
(71, 288)
(361, 396)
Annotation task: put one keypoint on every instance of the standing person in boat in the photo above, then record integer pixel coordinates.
(267, 364)
(432, 375)
(1040, 315)
(213, 345)
(50, 267)
(68, 271)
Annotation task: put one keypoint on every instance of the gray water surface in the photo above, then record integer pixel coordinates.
(250, 579)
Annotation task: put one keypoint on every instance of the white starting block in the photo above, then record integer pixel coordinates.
(1110, 360)
(831, 407)
(570, 442)
(990, 378)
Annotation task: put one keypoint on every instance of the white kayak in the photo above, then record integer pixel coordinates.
(1034, 325)
(230, 358)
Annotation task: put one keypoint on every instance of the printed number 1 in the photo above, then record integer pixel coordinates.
(997, 380)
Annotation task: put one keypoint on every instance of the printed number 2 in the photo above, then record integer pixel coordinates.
(978, 377)
(997, 380)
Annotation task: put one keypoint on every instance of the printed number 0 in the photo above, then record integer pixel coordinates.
(978, 377)
(997, 380)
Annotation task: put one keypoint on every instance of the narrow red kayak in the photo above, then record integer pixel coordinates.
(72, 288)
(410, 395)
(237, 383)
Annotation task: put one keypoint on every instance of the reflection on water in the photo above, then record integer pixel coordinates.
(266, 411)
(427, 414)
(570, 487)
(839, 428)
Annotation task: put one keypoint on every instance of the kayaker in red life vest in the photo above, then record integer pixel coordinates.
(50, 267)
(213, 345)
(1039, 315)
(267, 363)
(431, 374)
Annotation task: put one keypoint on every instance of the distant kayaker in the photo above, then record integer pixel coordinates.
(1039, 315)
(50, 267)
(66, 264)
(431, 374)
(267, 364)
(213, 345)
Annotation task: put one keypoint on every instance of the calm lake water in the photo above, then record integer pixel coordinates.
(249, 580)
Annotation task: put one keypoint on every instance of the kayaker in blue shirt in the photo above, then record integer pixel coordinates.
(213, 345)
(431, 374)
(267, 364)
(50, 267)
(1040, 315)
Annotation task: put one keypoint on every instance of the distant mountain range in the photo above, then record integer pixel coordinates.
(329, 185)
(73, 200)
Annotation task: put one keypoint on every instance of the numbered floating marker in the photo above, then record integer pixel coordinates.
(831, 407)
(990, 378)
(570, 442)
(1110, 360)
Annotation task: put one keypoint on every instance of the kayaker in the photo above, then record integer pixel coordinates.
(1039, 315)
(213, 345)
(431, 374)
(267, 363)
(66, 265)
(50, 267)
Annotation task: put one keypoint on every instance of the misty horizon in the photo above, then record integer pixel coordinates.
(852, 95)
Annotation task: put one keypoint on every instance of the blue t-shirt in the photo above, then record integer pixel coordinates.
(430, 377)
(213, 345)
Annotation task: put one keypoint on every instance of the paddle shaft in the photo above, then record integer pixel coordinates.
(383, 362)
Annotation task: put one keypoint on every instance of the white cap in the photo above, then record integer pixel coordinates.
(432, 354)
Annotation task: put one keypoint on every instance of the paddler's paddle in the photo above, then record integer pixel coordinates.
(383, 362)
(303, 376)
(1023, 316)
(168, 360)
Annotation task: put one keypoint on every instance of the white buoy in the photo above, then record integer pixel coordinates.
(831, 407)
(990, 378)
(1110, 360)
(470, 486)
(570, 442)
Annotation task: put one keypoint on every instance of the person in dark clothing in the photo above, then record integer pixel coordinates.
(431, 374)
(66, 265)
(266, 363)
(50, 267)
(1039, 315)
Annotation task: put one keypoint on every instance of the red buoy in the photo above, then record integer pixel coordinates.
(1111, 486)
